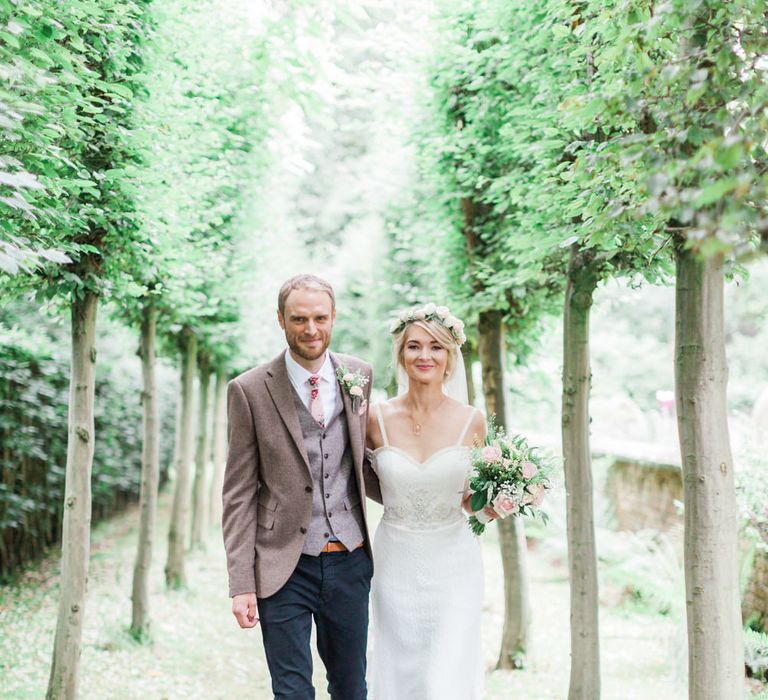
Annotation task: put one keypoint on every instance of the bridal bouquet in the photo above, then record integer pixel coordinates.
(509, 475)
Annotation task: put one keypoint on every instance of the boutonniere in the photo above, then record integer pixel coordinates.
(352, 383)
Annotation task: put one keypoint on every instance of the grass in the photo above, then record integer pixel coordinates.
(196, 651)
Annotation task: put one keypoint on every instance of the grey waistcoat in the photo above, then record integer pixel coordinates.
(336, 508)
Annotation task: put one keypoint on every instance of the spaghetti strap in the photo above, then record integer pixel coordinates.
(460, 441)
(383, 430)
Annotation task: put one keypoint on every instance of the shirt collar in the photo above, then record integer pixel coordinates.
(299, 375)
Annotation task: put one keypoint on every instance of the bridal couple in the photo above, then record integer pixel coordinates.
(305, 450)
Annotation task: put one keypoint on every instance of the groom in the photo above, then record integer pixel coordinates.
(294, 518)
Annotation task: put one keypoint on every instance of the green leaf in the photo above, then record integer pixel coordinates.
(10, 39)
(478, 501)
(729, 156)
(716, 191)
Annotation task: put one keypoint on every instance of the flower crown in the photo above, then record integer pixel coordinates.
(430, 312)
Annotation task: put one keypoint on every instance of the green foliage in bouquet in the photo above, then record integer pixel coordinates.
(509, 475)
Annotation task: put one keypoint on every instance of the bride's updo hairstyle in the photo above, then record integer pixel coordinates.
(438, 321)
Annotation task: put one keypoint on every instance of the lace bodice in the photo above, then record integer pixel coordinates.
(422, 495)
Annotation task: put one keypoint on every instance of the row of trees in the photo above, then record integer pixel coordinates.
(571, 143)
(132, 136)
(34, 383)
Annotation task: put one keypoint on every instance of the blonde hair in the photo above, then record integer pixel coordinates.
(438, 331)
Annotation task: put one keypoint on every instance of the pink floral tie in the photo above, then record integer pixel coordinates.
(315, 402)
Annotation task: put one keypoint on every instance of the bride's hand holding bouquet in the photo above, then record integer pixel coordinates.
(508, 476)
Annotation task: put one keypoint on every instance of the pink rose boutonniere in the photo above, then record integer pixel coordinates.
(353, 385)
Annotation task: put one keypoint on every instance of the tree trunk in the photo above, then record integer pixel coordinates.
(582, 558)
(150, 476)
(466, 355)
(174, 568)
(514, 641)
(199, 492)
(76, 531)
(715, 648)
(219, 452)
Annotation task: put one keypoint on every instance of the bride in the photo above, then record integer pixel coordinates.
(427, 587)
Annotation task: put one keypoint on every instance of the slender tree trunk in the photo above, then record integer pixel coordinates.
(466, 355)
(173, 472)
(76, 532)
(174, 569)
(582, 557)
(514, 641)
(150, 476)
(199, 492)
(219, 451)
(715, 649)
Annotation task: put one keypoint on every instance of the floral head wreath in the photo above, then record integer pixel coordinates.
(430, 312)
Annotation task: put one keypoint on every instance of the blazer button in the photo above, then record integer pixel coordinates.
(303, 530)
(308, 489)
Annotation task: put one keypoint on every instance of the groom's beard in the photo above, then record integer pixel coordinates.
(308, 352)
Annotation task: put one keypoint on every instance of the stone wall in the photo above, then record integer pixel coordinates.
(754, 601)
(643, 495)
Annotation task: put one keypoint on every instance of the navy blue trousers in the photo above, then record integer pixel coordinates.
(332, 589)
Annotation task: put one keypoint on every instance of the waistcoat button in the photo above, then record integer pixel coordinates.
(303, 530)
(308, 489)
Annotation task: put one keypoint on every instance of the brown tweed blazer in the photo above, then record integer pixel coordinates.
(267, 492)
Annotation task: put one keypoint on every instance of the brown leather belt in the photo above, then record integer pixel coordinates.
(336, 547)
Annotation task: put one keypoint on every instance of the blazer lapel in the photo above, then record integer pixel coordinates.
(353, 423)
(280, 389)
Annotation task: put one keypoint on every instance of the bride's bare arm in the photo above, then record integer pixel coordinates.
(373, 437)
(476, 437)
(373, 440)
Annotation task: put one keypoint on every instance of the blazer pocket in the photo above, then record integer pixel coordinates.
(265, 521)
(352, 502)
(267, 501)
(265, 513)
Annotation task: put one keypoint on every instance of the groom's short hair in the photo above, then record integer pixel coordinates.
(304, 282)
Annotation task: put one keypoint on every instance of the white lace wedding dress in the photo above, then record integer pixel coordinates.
(427, 587)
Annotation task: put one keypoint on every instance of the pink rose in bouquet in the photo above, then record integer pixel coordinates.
(534, 495)
(505, 504)
(492, 454)
(529, 470)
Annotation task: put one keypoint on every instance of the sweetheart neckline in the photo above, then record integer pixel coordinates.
(416, 461)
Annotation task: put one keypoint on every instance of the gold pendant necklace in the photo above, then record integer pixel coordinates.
(416, 426)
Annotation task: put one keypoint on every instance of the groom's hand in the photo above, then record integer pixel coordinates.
(245, 610)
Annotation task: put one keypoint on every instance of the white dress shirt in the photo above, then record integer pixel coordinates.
(328, 385)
